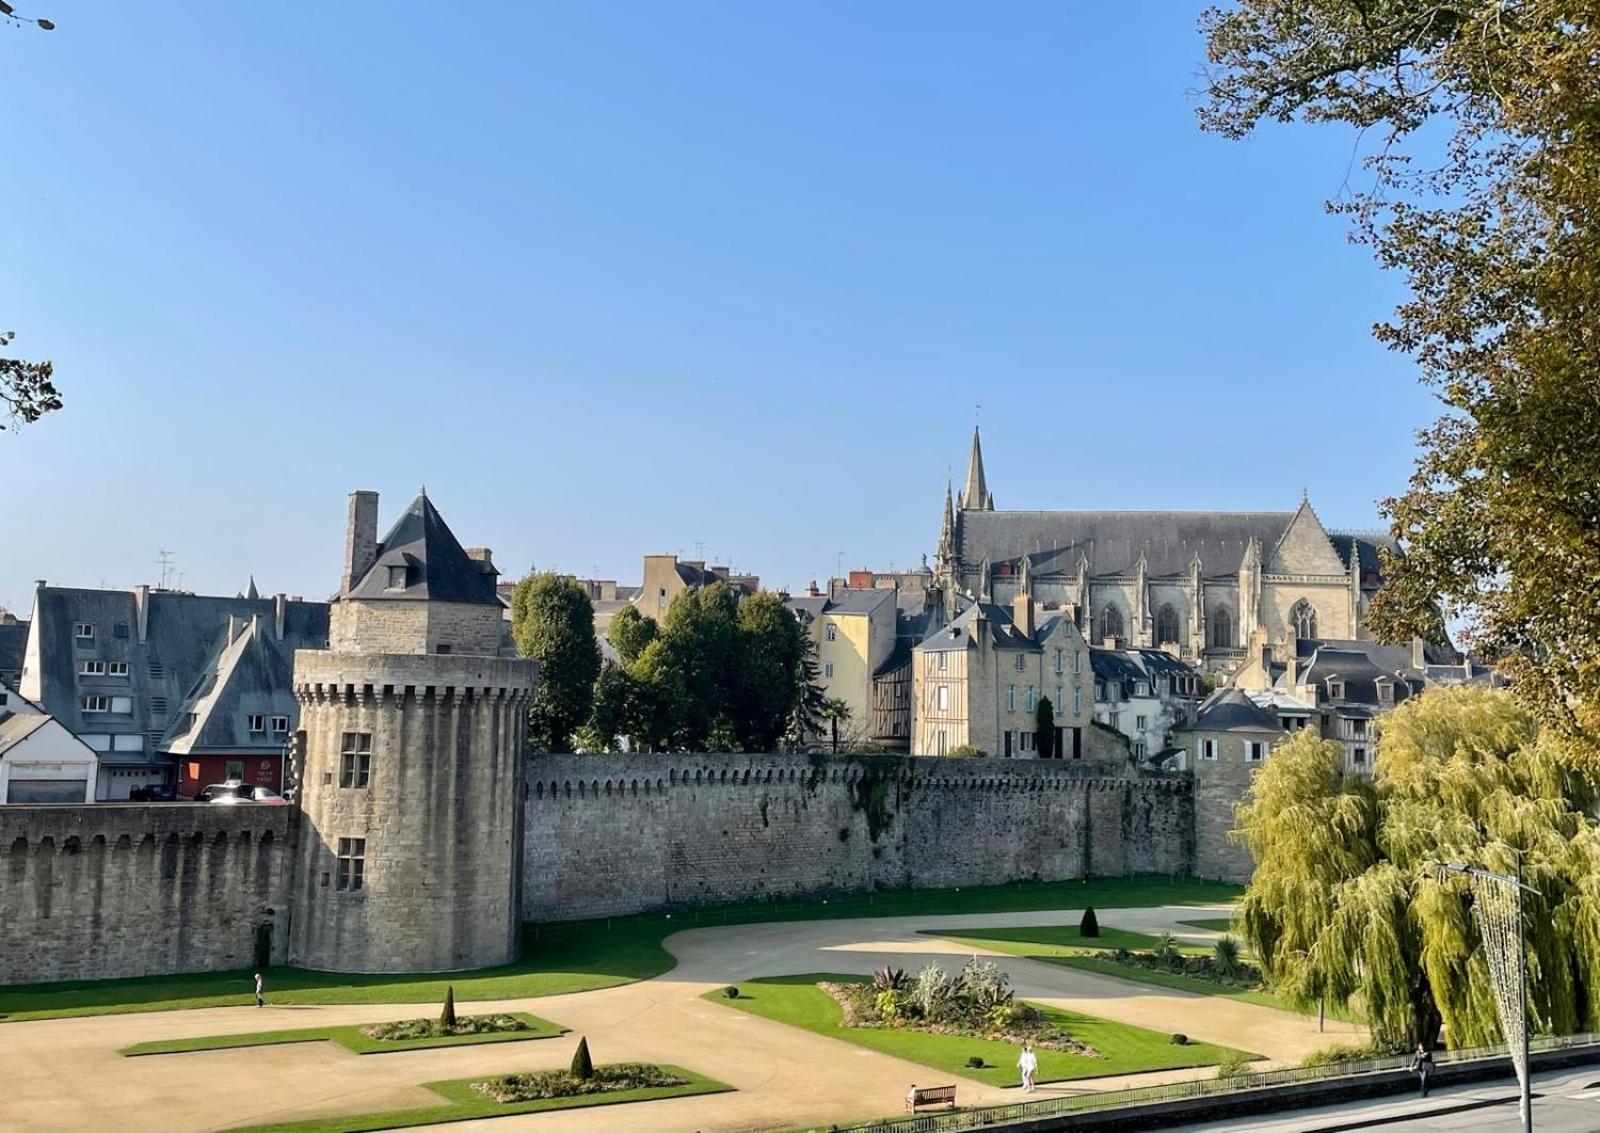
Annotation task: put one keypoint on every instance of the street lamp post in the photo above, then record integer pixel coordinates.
(1492, 889)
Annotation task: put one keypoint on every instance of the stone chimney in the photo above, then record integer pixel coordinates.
(811, 589)
(280, 607)
(141, 609)
(360, 538)
(1022, 613)
(482, 555)
(1419, 654)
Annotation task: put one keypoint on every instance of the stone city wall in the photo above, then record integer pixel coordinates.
(95, 892)
(617, 834)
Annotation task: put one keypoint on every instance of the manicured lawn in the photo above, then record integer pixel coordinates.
(349, 1037)
(1106, 966)
(1040, 941)
(797, 1001)
(1212, 924)
(463, 1103)
(582, 955)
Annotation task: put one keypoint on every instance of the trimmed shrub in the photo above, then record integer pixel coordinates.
(1180, 1040)
(975, 1062)
(447, 1017)
(1342, 1052)
(730, 992)
(582, 1068)
(1090, 924)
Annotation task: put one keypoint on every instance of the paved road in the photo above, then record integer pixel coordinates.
(65, 1074)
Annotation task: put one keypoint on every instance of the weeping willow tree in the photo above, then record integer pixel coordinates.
(1345, 904)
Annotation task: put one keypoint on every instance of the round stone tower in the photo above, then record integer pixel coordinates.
(411, 767)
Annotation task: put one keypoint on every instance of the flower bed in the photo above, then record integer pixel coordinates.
(561, 1084)
(432, 1028)
(1238, 975)
(975, 1004)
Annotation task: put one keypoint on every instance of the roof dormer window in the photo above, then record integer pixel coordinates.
(397, 578)
(1335, 688)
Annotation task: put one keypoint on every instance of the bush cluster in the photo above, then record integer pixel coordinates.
(1224, 966)
(561, 1084)
(436, 1028)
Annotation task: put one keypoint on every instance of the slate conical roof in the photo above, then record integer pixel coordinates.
(437, 567)
(976, 496)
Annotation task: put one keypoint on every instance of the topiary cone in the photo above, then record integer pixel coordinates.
(447, 1017)
(1090, 925)
(582, 1067)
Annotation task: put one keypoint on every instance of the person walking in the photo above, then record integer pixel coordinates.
(261, 991)
(1028, 1063)
(1422, 1066)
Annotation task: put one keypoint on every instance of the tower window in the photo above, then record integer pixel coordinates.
(355, 759)
(1304, 619)
(1167, 629)
(1221, 629)
(397, 578)
(1111, 622)
(352, 863)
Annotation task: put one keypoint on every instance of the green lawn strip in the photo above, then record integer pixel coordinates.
(349, 1037)
(463, 1103)
(797, 1001)
(1213, 924)
(583, 955)
(1105, 966)
(1029, 940)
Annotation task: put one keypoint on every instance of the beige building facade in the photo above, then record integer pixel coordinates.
(854, 632)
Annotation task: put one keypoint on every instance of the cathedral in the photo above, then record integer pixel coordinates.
(1202, 584)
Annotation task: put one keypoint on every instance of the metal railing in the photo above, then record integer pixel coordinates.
(986, 1117)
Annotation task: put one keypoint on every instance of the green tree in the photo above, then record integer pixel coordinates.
(1498, 238)
(552, 621)
(835, 712)
(1345, 902)
(700, 641)
(27, 389)
(805, 717)
(447, 1017)
(629, 633)
(615, 712)
(1044, 728)
(660, 698)
(770, 645)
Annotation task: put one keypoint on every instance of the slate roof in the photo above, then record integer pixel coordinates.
(1114, 540)
(858, 601)
(182, 631)
(1001, 631)
(1354, 665)
(1231, 710)
(249, 675)
(437, 567)
(13, 644)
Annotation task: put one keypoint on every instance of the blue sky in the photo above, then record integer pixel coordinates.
(613, 279)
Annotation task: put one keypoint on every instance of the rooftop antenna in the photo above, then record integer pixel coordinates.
(164, 560)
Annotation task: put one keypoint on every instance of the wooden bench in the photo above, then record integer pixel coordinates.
(931, 1095)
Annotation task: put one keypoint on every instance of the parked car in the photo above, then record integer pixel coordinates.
(235, 792)
(153, 793)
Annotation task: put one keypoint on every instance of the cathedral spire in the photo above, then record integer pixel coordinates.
(976, 496)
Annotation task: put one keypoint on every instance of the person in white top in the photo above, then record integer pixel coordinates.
(1028, 1062)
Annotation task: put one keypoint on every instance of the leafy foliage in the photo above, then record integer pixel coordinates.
(27, 389)
(1498, 239)
(448, 1024)
(630, 632)
(598, 1080)
(1225, 956)
(552, 621)
(582, 1068)
(1345, 902)
(835, 712)
(805, 719)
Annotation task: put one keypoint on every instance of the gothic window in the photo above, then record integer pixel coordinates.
(1111, 623)
(1304, 619)
(1221, 629)
(1166, 625)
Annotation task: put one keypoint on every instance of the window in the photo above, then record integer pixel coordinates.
(84, 631)
(1358, 727)
(235, 769)
(258, 724)
(661, 598)
(355, 759)
(1077, 661)
(1058, 660)
(1141, 688)
(1141, 722)
(352, 863)
(1254, 751)
(280, 724)
(1011, 698)
(941, 743)
(944, 697)
(1060, 701)
(1111, 622)
(116, 668)
(1221, 628)
(1020, 662)
(1208, 749)
(1385, 691)
(827, 670)
(1303, 617)
(95, 703)
(91, 668)
(1077, 702)
(832, 632)
(942, 659)
(1167, 627)
(397, 578)
(120, 631)
(1360, 756)
(1335, 688)
(442, 650)
(1031, 702)
(1138, 749)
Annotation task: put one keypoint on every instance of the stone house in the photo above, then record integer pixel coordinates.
(665, 577)
(1229, 739)
(977, 682)
(855, 635)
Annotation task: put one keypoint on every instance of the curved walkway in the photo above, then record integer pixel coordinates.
(65, 1074)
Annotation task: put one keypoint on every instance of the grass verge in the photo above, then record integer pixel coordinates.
(1124, 1049)
(1033, 941)
(1105, 966)
(1213, 924)
(582, 955)
(463, 1103)
(350, 1038)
